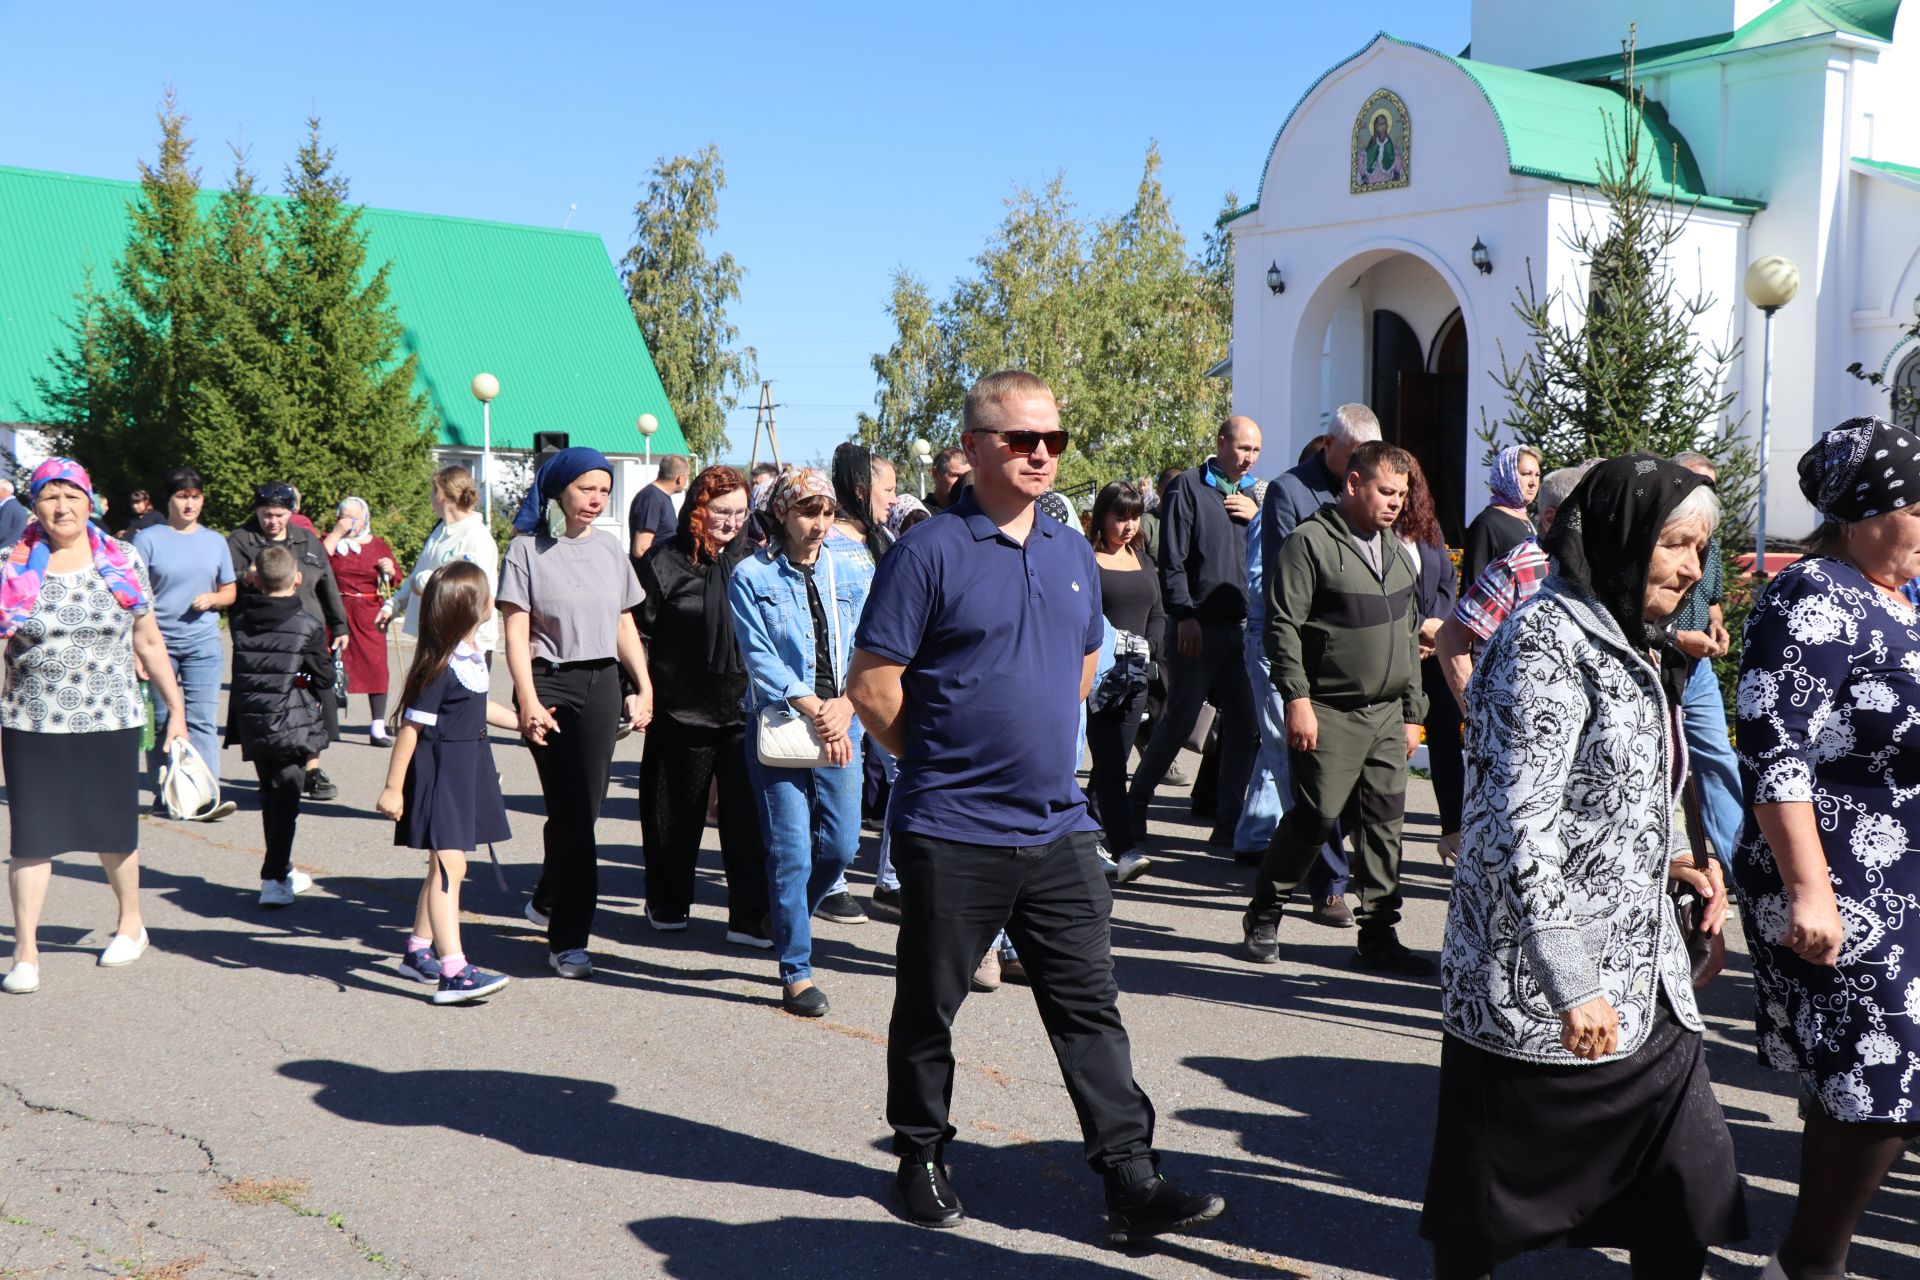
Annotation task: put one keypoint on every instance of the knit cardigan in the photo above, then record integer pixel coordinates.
(1574, 767)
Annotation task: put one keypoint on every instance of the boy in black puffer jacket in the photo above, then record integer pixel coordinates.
(280, 662)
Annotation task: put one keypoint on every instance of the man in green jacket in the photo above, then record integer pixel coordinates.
(1342, 635)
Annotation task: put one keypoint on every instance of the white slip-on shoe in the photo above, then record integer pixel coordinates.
(219, 811)
(276, 893)
(22, 978)
(123, 950)
(298, 880)
(1133, 864)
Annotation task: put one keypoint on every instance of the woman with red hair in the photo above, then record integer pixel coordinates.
(698, 735)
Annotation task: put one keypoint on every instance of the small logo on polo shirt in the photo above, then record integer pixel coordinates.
(1076, 586)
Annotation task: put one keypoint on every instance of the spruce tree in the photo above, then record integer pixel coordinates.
(346, 418)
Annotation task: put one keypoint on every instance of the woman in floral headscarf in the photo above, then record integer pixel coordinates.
(794, 613)
(362, 564)
(1829, 877)
(1503, 523)
(75, 610)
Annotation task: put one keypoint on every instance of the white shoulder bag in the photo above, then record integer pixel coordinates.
(787, 738)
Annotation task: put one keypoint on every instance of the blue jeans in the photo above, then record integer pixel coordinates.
(810, 819)
(1703, 717)
(883, 876)
(198, 673)
(1269, 790)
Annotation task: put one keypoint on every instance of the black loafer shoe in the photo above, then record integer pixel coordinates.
(811, 1003)
(926, 1197)
(1388, 954)
(1332, 911)
(1262, 938)
(1158, 1208)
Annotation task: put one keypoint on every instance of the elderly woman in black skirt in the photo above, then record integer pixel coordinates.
(75, 609)
(1575, 1108)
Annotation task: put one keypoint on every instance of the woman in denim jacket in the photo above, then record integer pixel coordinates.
(794, 618)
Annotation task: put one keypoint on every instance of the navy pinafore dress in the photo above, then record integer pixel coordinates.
(452, 789)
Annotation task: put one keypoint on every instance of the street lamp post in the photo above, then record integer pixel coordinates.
(485, 388)
(922, 454)
(648, 424)
(1770, 285)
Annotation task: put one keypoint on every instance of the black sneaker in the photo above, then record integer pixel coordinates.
(841, 908)
(1385, 953)
(320, 786)
(1262, 937)
(889, 898)
(926, 1197)
(1157, 1208)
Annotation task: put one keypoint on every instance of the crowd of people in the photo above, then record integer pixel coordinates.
(804, 649)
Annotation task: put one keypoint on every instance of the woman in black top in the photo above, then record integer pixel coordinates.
(1130, 599)
(698, 734)
(1503, 524)
(1434, 591)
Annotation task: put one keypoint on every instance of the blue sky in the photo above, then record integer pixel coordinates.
(857, 138)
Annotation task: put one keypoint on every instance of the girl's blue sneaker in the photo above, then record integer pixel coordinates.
(421, 965)
(469, 984)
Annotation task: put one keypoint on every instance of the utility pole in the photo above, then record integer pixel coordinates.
(763, 415)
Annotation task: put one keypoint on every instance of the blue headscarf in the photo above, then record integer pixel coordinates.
(1505, 479)
(554, 475)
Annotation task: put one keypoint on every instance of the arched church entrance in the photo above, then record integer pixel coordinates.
(1397, 341)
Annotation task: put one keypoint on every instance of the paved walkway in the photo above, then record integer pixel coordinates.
(263, 1095)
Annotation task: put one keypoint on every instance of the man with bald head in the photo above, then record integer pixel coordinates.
(1204, 515)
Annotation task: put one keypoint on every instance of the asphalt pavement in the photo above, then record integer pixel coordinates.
(264, 1095)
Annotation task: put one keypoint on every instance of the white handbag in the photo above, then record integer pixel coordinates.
(787, 739)
(188, 787)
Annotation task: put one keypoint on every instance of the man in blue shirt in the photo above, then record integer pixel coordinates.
(650, 516)
(978, 644)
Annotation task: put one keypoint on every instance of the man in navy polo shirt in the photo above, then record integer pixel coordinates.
(975, 651)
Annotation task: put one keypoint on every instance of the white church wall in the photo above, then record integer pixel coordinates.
(1527, 33)
(1886, 285)
(1888, 98)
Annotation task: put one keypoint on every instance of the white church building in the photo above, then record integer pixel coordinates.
(1409, 193)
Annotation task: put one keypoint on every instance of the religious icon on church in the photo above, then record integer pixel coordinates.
(1382, 143)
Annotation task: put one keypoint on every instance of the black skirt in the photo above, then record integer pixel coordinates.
(72, 792)
(1632, 1154)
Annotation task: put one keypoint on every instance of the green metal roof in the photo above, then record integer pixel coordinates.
(1785, 22)
(1908, 171)
(1556, 129)
(540, 309)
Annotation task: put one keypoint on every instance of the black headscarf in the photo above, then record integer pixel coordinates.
(1603, 538)
(1860, 469)
(853, 474)
(723, 655)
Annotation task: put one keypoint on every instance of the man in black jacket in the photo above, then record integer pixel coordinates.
(317, 592)
(1203, 585)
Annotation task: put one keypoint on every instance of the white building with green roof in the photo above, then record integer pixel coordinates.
(1791, 126)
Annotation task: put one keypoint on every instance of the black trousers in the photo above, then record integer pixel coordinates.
(1055, 905)
(280, 784)
(573, 767)
(680, 765)
(1446, 749)
(1110, 738)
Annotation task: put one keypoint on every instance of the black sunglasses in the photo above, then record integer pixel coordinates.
(1021, 444)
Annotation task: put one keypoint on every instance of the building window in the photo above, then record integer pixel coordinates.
(1906, 392)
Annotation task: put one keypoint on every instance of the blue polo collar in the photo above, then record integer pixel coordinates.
(981, 525)
(1217, 481)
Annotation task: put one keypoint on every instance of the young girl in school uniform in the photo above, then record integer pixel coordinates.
(442, 790)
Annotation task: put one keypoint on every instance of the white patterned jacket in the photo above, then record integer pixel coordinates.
(1561, 891)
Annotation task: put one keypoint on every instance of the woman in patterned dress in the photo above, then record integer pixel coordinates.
(1828, 701)
(1575, 1106)
(75, 608)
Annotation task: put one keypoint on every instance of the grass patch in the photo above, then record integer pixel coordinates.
(253, 1191)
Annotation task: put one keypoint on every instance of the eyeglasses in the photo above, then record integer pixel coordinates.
(721, 515)
(1021, 444)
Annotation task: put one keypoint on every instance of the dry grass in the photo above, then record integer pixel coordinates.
(254, 1191)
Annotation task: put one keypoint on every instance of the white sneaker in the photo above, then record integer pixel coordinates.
(662, 924)
(1106, 860)
(572, 964)
(280, 893)
(1133, 864)
(534, 914)
(22, 978)
(219, 811)
(123, 950)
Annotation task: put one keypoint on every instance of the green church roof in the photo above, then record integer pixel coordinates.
(1908, 171)
(540, 309)
(1786, 21)
(1557, 130)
